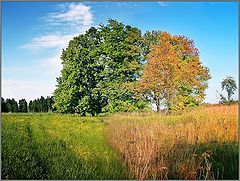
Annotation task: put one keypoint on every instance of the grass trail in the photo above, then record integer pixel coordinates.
(41, 146)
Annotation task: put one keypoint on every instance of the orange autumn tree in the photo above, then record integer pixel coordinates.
(173, 76)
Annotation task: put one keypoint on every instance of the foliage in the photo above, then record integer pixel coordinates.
(41, 104)
(3, 105)
(173, 76)
(228, 84)
(38, 105)
(150, 39)
(23, 105)
(96, 67)
(10, 105)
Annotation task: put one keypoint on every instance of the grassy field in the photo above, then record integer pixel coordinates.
(42, 146)
(201, 144)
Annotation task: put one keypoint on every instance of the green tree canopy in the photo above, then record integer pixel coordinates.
(98, 69)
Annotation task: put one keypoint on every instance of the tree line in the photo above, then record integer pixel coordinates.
(46, 104)
(37, 105)
(114, 67)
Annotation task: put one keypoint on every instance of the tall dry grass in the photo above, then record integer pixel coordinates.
(201, 144)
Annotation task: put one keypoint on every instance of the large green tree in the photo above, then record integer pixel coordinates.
(98, 69)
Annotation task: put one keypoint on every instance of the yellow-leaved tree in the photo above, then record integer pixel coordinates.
(173, 76)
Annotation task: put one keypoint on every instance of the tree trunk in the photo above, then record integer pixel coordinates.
(229, 101)
(158, 108)
(168, 103)
(157, 102)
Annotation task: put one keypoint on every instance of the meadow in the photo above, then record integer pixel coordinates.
(51, 146)
(198, 144)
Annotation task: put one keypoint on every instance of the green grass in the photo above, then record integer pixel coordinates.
(51, 146)
(122, 146)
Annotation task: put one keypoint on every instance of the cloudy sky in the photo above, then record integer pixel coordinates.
(34, 34)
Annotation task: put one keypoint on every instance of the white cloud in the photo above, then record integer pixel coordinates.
(56, 40)
(71, 19)
(163, 4)
(29, 90)
(75, 14)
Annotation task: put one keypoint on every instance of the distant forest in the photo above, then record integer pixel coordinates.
(37, 105)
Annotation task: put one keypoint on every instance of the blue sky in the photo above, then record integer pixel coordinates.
(34, 34)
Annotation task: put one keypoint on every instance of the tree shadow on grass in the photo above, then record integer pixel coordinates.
(205, 161)
(225, 159)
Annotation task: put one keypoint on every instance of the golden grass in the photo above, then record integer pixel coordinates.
(183, 146)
